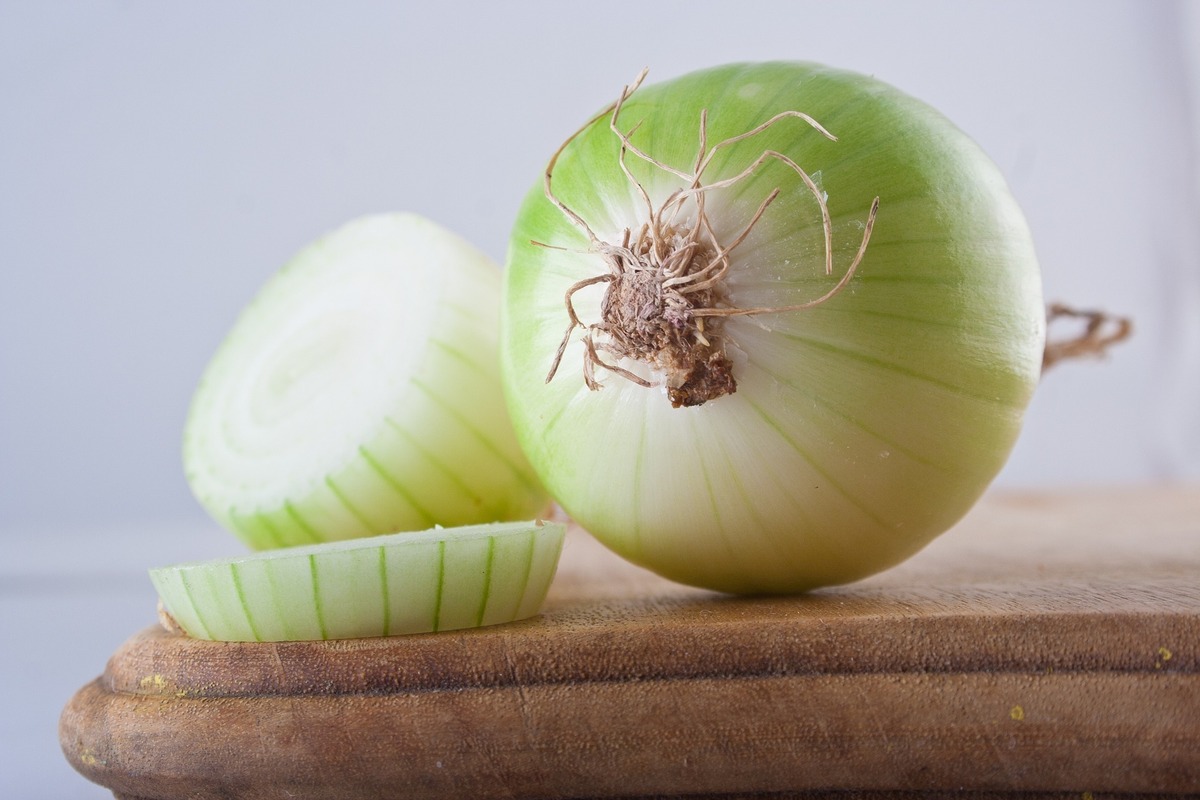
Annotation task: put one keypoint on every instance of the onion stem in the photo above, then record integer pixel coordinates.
(1101, 331)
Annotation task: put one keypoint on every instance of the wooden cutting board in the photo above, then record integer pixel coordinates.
(1047, 646)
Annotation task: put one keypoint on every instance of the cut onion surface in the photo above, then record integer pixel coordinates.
(359, 394)
(435, 580)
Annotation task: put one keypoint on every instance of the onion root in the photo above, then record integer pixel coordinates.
(665, 298)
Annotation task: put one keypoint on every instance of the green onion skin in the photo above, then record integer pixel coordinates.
(862, 427)
(359, 394)
(404, 583)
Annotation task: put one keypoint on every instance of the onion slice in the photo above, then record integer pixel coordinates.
(435, 580)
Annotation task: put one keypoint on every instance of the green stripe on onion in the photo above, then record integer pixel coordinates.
(435, 580)
(803, 321)
(359, 394)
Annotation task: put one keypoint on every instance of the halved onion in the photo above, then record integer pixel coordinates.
(360, 394)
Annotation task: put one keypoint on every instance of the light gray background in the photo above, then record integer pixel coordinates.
(159, 161)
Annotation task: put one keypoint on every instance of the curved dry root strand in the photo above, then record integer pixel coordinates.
(574, 322)
(666, 298)
(1101, 331)
(841, 284)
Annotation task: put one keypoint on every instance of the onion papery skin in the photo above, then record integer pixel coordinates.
(860, 428)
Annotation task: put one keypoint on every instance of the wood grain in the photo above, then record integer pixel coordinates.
(1049, 645)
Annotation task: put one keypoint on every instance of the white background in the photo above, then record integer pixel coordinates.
(159, 161)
